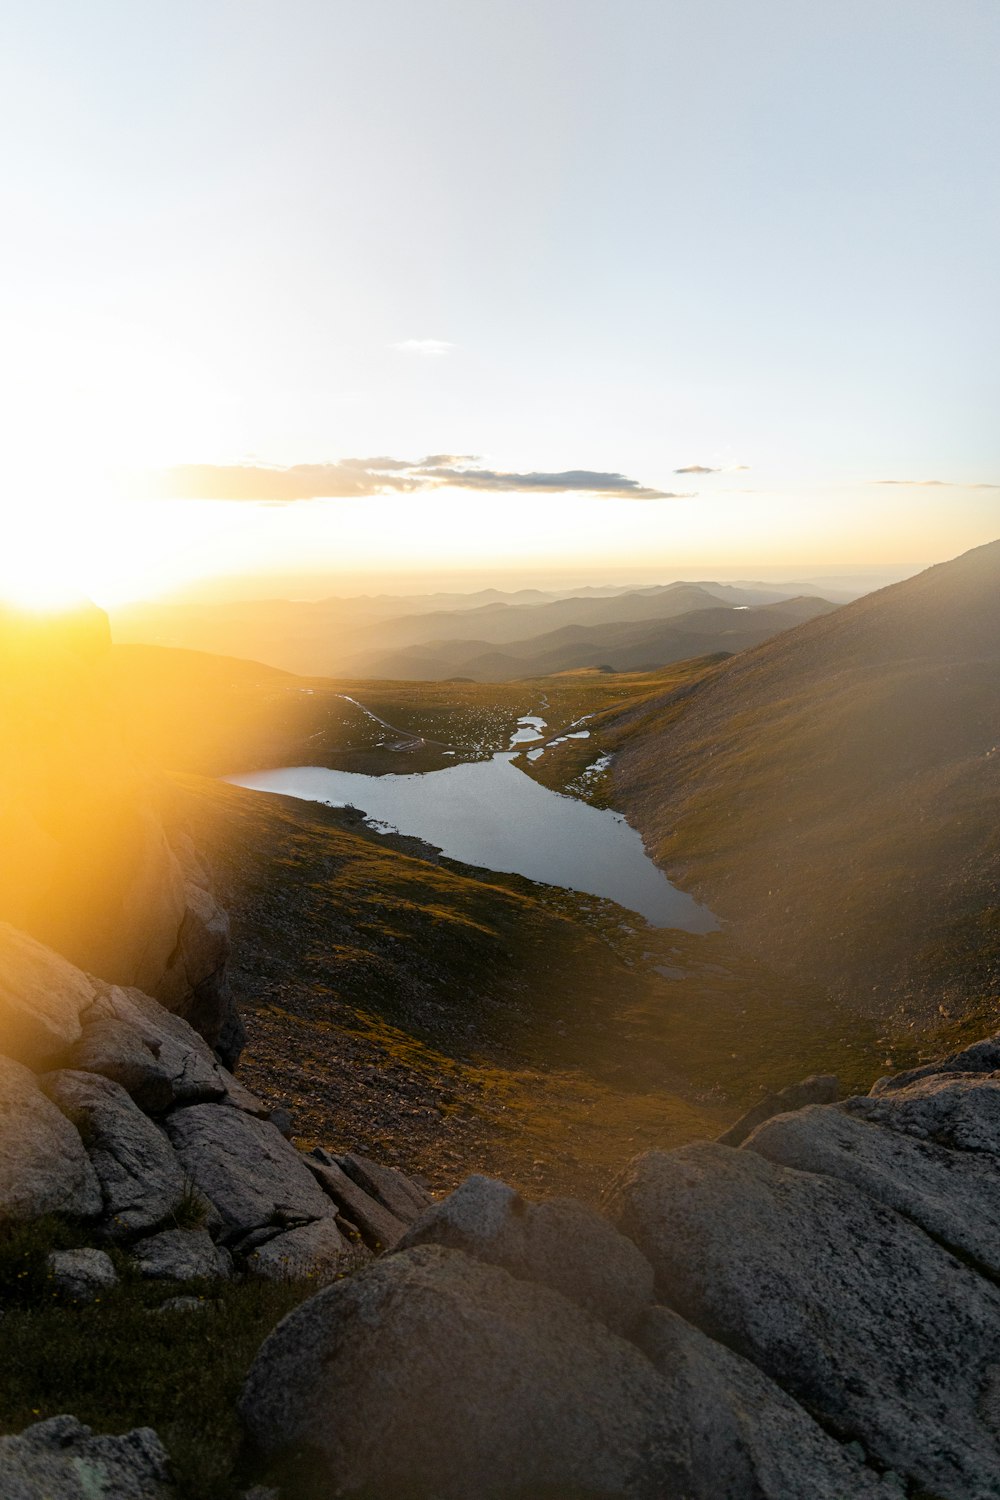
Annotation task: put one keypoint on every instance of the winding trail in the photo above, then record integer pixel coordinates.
(408, 740)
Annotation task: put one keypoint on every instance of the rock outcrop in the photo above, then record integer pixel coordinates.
(182, 1255)
(378, 1228)
(953, 1195)
(430, 1373)
(42, 999)
(560, 1243)
(142, 1181)
(390, 1187)
(82, 1275)
(44, 1167)
(746, 1437)
(854, 1310)
(811, 1333)
(960, 1110)
(246, 1168)
(316, 1251)
(128, 1127)
(981, 1057)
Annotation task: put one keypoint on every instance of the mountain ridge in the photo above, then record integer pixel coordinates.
(835, 792)
(625, 645)
(328, 636)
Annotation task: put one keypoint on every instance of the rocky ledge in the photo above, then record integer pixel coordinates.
(116, 1115)
(807, 1309)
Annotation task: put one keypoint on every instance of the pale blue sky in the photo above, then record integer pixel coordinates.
(653, 235)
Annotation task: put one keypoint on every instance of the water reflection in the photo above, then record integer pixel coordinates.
(489, 813)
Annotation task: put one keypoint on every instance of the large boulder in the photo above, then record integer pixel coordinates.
(142, 1181)
(853, 1310)
(954, 1195)
(60, 1459)
(960, 1110)
(115, 1050)
(44, 1168)
(560, 1243)
(431, 1375)
(246, 1168)
(42, 999)
(749, 1440)
(183, 1056)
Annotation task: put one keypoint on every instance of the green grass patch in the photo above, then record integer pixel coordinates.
(25, 1280)
(120, 1363)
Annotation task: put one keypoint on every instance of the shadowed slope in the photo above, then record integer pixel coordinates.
(835, 793)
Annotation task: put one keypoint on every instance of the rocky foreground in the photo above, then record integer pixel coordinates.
(806, 1310)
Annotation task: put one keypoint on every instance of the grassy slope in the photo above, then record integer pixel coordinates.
(835, 793)
(451, 1020)
(441, 1016)
(560, 765)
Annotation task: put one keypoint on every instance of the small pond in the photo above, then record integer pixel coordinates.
(490, 814)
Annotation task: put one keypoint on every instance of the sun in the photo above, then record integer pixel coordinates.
(37, 570)
(68, 546)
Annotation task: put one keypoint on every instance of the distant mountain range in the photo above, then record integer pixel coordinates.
(489, 636)
(501, 623)
(620, 645)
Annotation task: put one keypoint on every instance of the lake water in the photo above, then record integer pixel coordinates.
(489, 813)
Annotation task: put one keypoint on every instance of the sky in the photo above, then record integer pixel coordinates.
(431, 288)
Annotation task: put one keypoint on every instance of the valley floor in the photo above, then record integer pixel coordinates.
(452, 1020)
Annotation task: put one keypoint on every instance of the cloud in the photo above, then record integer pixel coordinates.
(428, 347)
(448, 460)
(586, 481)
(948, 484)
(707, 469)
(382, 465)
(350, 478)
(346, 480)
